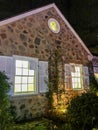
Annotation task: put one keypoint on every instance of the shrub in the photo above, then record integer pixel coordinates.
(5, 115)
(40, 127)
(83, 112)
(93, 84)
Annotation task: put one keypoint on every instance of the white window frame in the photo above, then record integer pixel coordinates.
(68, 77)
(35, 68)
(7, 64)
(77, 76)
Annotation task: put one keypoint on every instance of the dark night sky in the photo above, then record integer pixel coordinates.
(81, 14)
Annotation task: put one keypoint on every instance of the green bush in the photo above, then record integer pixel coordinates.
(40, 127)
(5, 115)
(37, 124)
(83, 112)
(93, 84)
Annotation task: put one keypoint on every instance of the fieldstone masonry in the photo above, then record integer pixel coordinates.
(28, 107)
(32, 37)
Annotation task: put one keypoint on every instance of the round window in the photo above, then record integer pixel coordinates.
(54, 25)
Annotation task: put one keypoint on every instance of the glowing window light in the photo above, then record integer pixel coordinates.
(77, 80)
(54, 25)
(24, 77)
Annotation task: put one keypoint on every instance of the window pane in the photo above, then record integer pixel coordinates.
(53, 25)
(18, 71)
(18, 63)
(79, 80)
(79, 85)
(31, 72)
(73, 80)
(78, 74)
(18, 88)
(17, 79)
(24, 87)
(31, 87)
(76, 77)
(25, 71)
(73, 74)
(25, 64)
(24, 80)
(73, 85)
(31, 80)
(24, 77)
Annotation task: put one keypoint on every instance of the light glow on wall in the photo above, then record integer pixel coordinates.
(96, 76)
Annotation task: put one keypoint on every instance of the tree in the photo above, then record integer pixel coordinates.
(5, 115)
(83, 112)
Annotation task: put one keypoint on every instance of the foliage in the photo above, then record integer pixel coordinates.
(83, 112)
(5, 115)
(40, 124)
(55, 78)
(40, 127)
(93, 84)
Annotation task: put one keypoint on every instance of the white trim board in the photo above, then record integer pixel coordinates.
(7, 21)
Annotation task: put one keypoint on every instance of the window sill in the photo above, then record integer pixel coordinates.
(23, 95)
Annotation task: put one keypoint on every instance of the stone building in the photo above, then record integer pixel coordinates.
(26, 43)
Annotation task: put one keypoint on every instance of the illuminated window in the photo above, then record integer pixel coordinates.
(77, 78)
(54, 25)
(73, 76)
(24, 77)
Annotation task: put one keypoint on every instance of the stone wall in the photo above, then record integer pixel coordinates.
(32, 37)
(60, 105)
(28, 107)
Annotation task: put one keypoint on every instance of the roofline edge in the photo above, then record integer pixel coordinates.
(71, 28)
(23, 15)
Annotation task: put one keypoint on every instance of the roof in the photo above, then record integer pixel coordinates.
(21, 16)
